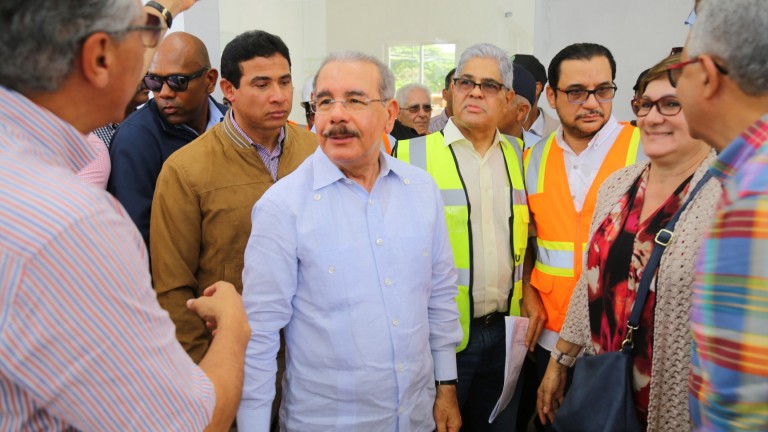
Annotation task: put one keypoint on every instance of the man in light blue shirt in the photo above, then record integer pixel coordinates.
(351, 256)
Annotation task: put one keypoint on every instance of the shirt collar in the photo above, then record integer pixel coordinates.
(55, 141)
(741, 149)
(453, 134)
(214, 114)
(537, 127)
(280, 137)
(597, 140)
(326, 172)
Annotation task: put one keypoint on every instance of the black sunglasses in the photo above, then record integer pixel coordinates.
(176, 82)
(413, 109)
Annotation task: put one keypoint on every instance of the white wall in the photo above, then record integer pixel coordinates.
(638, 33)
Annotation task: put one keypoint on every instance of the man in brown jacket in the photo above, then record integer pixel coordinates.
(201, 213)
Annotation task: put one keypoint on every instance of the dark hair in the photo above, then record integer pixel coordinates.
(448, 79)
(245, 46)
(579, 51)
(532, 65)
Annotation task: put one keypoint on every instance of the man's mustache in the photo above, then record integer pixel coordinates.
(591, 112)
(340, 131)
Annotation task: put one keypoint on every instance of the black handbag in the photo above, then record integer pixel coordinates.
(600, 397)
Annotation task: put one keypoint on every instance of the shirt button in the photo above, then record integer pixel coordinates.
(331, 269)
(317, 197)
(387, 281)
(395, 322)
(400, 410)
(379, 242)
(407, 181)
(370, 201)
(400, 367)
(425, 253)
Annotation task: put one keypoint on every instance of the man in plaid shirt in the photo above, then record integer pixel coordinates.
(722, 81)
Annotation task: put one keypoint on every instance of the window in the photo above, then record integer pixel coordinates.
(423, 63)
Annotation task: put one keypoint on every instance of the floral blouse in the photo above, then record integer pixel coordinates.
(617, 255)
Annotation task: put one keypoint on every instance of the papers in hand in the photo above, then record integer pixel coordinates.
(516, 328)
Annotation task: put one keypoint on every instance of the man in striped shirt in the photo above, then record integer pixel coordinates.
(83, 343)
(722, 81)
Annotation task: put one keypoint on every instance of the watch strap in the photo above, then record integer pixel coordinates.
(446, 382)
(563, 358)
(163, 11)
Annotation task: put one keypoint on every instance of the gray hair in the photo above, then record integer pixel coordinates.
(406, 90)
(41, 39)
(518, 100)
(486, 50)
(521, 100)
(387, 84)
(731, 31)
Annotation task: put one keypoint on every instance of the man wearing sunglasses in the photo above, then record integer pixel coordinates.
(83, 343)
(181, 79)
(415, 107)
(479, 172)
(563, 174)
(722, 83)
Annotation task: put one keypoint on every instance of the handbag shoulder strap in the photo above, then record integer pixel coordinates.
(662, 239)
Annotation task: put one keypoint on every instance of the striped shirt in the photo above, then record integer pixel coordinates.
(729, 379)
(270, 158)
(83, 342)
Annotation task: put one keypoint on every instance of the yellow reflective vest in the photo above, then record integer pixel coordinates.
(431, 154)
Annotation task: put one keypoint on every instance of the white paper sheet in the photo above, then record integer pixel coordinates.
(516, 328)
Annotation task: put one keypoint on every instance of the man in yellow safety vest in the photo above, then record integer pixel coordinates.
(479, 173)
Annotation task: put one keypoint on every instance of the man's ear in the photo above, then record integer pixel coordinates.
(551, 97)
(508, 97)
(228, 89)
(211, 77)
(393, 109)
(97, 59)
(522, 112)
(710, 79)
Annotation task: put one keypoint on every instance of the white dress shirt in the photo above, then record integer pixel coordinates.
(365, 286)
(487, 183)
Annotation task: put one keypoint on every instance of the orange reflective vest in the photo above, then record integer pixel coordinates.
(562, 232)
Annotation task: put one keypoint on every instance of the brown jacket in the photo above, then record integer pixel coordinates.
(201, 218)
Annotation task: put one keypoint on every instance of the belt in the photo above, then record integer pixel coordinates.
(488, 320)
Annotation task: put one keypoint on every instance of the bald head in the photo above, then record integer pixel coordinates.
(183, 51)
(184, 55)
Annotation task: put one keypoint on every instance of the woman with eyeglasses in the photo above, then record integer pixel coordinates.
(633, 205)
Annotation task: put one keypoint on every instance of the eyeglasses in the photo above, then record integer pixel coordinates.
(676, 70)
(325, 105)
(177, 82)
(666, 106)
(413, 109)
(150, 31)
(676, 50)
(580, 96)
(489, 88)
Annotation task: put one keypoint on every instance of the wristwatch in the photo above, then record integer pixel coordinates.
(563, 358)
(167, 15)
(446, 382)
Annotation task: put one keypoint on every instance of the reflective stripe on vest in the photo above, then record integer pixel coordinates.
(562, 232)
(431, 154)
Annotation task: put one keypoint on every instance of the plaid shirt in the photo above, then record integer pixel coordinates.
(729, 377)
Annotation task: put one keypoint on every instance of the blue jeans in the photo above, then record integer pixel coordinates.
(481, 379)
